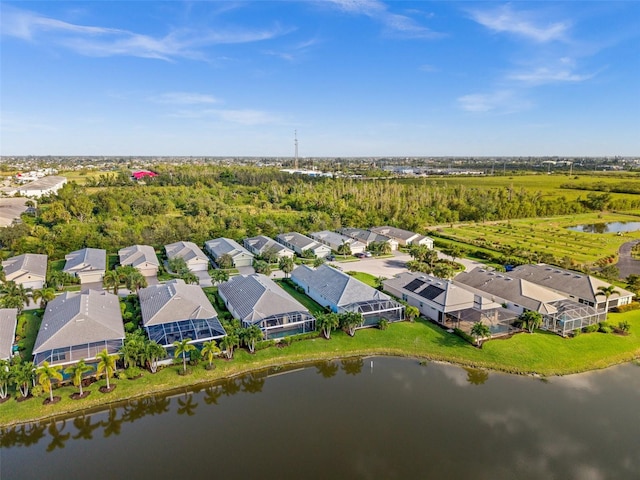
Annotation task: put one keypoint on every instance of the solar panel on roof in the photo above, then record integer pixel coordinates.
(431, 292)
(414, 285)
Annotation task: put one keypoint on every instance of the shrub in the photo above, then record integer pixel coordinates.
(604, 327)
(383, 324)
(592, 328)
(576, 333)
(464, 336)
(624, 326)
(37, 391)
(194, 357)
(628, 307)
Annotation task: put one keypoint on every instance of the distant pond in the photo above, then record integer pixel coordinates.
(372, 418)
(610, 227)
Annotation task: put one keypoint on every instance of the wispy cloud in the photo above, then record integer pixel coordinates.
(499, 101)
(294, 52)
(105, 42)
(562, 70)
(527, 24)
(394, 23)
(184, 98)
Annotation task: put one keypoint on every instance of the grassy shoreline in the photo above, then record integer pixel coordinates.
(541, 353)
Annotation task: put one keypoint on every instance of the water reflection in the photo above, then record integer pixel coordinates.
(58, 439)
(477, 376)
(352, 366)
(327, 369)
(609, 227)
(187, 406)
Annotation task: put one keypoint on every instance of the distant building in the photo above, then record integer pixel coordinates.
(42, 186)
(142, 174)
(260, 245)
(403, 237)
(28, 270)
(301, 243)
(194, 257)
(335, 241)
(368, 237)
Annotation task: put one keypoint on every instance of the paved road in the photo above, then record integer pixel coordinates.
(626, 264)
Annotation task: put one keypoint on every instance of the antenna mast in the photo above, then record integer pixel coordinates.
(295, 142)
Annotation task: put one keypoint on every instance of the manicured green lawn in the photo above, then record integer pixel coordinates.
(311, 305)
(366, 278)
(28, 327)
(542, 353)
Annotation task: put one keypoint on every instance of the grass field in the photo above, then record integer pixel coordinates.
(545, 235)
(541, 353)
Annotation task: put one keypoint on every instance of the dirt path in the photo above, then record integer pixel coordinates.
(626, 264)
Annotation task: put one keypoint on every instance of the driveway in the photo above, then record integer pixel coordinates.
(626, 264)
(204, 278)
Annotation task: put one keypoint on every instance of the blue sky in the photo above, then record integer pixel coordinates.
(353, 77)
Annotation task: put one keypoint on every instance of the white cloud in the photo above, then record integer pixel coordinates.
(104, 42)
(500, 101)
(544, 75)
(521, 23)
(185, 98)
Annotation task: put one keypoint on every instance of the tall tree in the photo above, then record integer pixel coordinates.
(530, 320)
(23, 376)
(153, 353)
(111, 280)
(250, 336)
(106, 365)
(228, 343)
(46, 375)
(344, 248)
(411, 312)
(349, 321)
(45, 295)
(77, 370)
(480, 331)
(15, 296)
(225, 261)
(182, 348)
(286, 265)
(607, 292)
(219, 276)
(210, 350)
(326, 322)
(5, 378)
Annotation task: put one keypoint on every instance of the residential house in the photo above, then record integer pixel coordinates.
(368, 237)
(8, 324)
(301, 243)
(577, 286)
(176, 311)
(403, 237)
(560, 314)
(451, 305)
(336, 240)
(260, 245)
(341, 293)
(79, 325)
(218, 247)
(194, 257)
(141, 257)
(257, 300)
(42, 186)
(88, 264)
(28, 270)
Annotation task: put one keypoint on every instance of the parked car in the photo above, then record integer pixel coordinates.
(330, 258)
(368, 254)
(360, 255)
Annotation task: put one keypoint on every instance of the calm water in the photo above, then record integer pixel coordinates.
(347, 420)
(611, 227)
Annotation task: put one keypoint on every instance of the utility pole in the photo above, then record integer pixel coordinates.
(295, 142)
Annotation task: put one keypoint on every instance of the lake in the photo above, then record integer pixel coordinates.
(387, 418)
(610, 227)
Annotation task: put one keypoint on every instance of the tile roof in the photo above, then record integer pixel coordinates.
(335, 286)
(8, 323)
(77, 318)
(87, 259)
(137, 255)
(19, 268)
(254, 297)
(226, 246)
(174, 301)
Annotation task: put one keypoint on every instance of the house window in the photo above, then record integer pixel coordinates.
(58, 355)
(404, 297)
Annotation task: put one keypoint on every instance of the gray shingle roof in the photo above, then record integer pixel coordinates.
(439, 291)
(334, 239)
(174, 301)
(298, 240)
(8, 323)
(394, 232)
(577, 284)
(261, 244)
(44, 183)
(77, 318)
(226, 246)
(137, 255)
(85, 260)
(337, 287)
(19, 268)
(186, 250)
(363, 235)
(254, 297)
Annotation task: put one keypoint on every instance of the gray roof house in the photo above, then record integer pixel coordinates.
(42, 186)
(367, 237)
(141, 257)
(79, 325)
(403, 237)
(177, 311)
(28, 270)
(257, 300)
(335, 241)
(260, 245)
(560, 314)
(218, 247)
(8, 324)
(300, 243)
(88, 264)
(342, 293)
(575, 285)
(451, 305)
(195, 258)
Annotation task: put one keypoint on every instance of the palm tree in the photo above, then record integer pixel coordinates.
(77, 371)
(135, 281)
(111, 280)
(23, 375)
(286, 265)
(57, 279)
(182, 348)
(45, 295)
(225, 261)
(228, 343)
(327, 322)
(250, 336)
(607, 292)
(411, 312)
(479, 331)
(530, 320)
(16, 296)
(349, 321)
(344, 248)
(219, 276)
(106, 364)
(210, 350)
(190, 278)
(5, 377)
(46, 374)
(154, 352)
